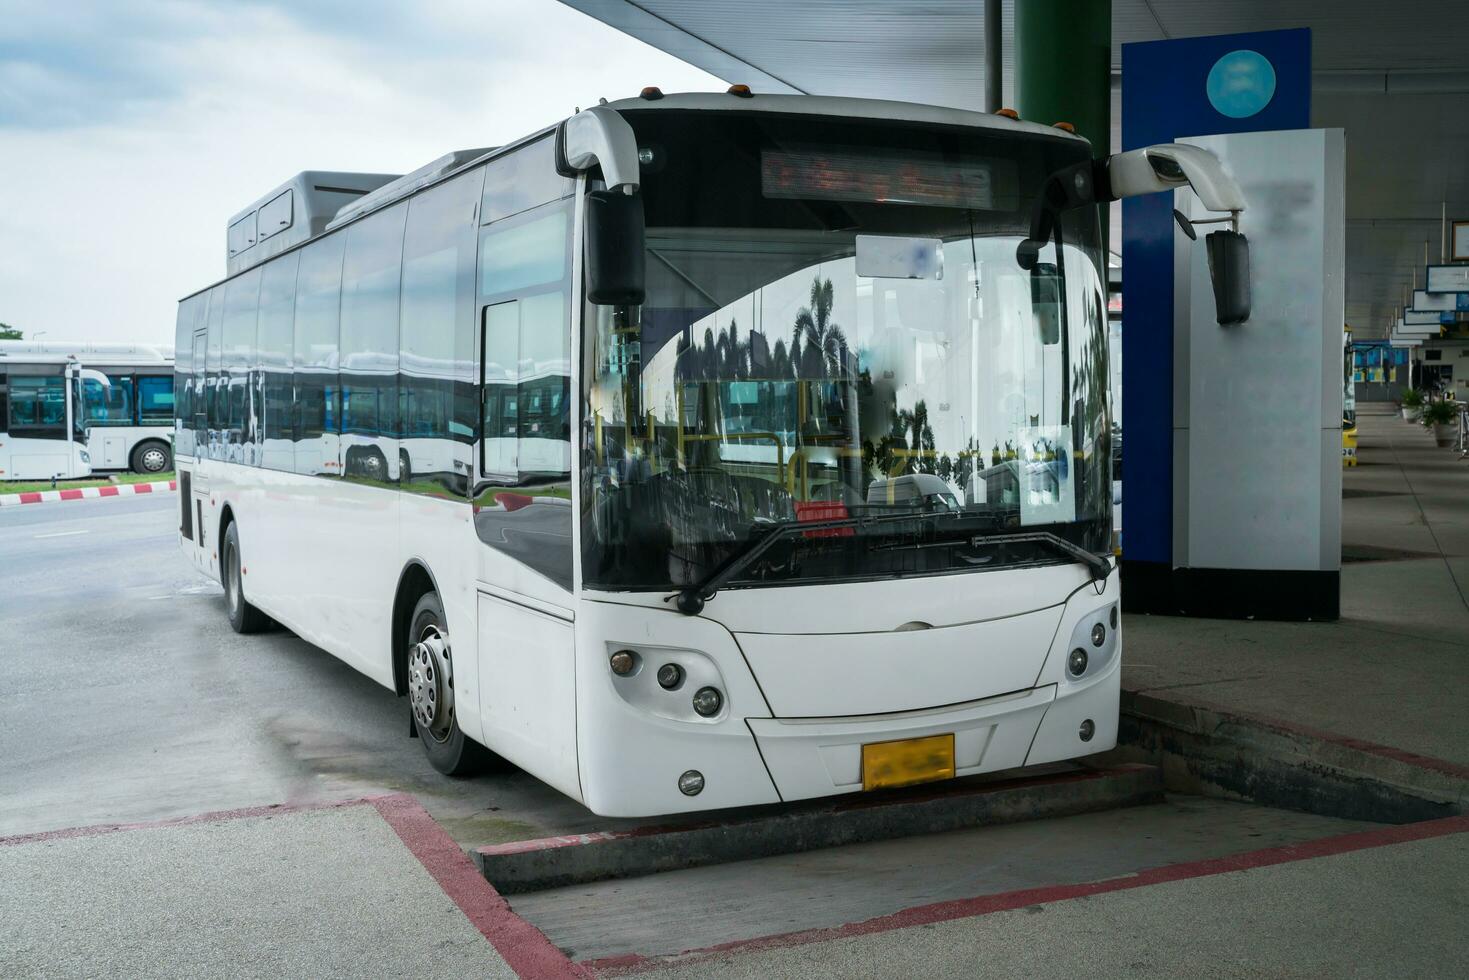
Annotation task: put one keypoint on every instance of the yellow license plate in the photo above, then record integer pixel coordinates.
(907, 761)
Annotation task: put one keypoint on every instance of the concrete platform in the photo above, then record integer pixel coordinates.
(1395, 670)
(710, 907)
(1359, 906)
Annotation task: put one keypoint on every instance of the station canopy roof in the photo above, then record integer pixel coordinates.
(1394, 76)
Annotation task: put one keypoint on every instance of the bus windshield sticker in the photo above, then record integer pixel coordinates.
(892, 257)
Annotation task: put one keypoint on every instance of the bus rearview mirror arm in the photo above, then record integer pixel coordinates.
(614, 226)
(1164, 167)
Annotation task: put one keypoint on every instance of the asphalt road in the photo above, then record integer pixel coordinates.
(127, 697)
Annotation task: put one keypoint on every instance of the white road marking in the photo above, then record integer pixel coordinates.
(61, 534)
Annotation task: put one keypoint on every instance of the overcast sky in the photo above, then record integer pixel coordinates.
(130, 130)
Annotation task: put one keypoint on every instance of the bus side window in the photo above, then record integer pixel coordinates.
(241, 308)
(273, 349)
(155, 399)
(437, 357)
(369, 347)
(214, 390)
(318, 294)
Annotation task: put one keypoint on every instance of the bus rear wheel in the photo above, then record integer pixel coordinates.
(431, 693)
(244, 618)
(152, 457)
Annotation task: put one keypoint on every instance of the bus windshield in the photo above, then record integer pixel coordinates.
(836, 326)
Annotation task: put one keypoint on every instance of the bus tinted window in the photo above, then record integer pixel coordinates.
(523, 180)
(437, 372)
(369, 351)
(183, 367)
(274, 342)
(38, 406)
(155, 398)
(110, 405)
(241, 299)
(318, 296)
(214, 390)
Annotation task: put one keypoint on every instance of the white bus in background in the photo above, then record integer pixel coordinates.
(747, 577)
(41, 431)
(126, 423)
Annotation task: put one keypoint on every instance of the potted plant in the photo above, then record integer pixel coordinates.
(1411, 403)
(1440, 416)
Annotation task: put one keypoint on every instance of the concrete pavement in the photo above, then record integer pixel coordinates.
(1395, 669)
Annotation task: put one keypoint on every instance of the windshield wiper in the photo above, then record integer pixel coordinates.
(692, 597)
(1099, 567)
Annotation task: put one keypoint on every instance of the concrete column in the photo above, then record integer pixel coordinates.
(1063, 65)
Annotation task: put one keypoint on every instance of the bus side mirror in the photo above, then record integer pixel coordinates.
(1229, 270)
(615, 274)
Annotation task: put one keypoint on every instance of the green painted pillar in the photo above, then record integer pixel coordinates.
(1063, 66)
(1063, 70)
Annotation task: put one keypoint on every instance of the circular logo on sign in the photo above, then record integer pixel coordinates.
(1241, 84)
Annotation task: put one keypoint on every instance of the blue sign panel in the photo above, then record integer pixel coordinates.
(1199, 86)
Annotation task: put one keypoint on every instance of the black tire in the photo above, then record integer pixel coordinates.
(244, 618)
(152, 457)
(449, 750)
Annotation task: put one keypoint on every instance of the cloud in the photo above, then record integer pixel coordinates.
(131, 132)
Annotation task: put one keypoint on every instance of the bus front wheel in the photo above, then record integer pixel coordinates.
(244, 618)
(431, 693)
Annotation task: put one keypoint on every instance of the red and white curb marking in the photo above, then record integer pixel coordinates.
(83, 493)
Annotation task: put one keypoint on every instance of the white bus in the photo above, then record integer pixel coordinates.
(694, 601)
(126, 409)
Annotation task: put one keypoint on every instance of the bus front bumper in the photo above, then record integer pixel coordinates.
(823, 756)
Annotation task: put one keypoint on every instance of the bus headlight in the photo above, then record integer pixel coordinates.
(623, 662)
(1099, 635)
(1076, 663)
(708, 701)
(670, 676)
(86, 457)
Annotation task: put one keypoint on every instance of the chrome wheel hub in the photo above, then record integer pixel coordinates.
(153, 460)
(431, 684)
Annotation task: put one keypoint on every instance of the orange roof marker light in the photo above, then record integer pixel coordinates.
(1066, 126)
(652, 93)
(743, 91)
(1007, 113)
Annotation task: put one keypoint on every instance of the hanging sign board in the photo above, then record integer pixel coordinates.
(1417, 329)
(1447, 279)
(1459, 238)
(1414, 318)
(1426, 302)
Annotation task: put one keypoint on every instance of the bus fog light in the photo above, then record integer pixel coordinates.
(1088, 729)
(708, 701)
(623, 662)
(1076, 663)
(1099, 635)
(691, 783)
(670, 676)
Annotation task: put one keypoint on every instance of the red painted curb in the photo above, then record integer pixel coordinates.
(142, 488)
(1005, 901)
(107, 491)
(524, 947)
(31, 497)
